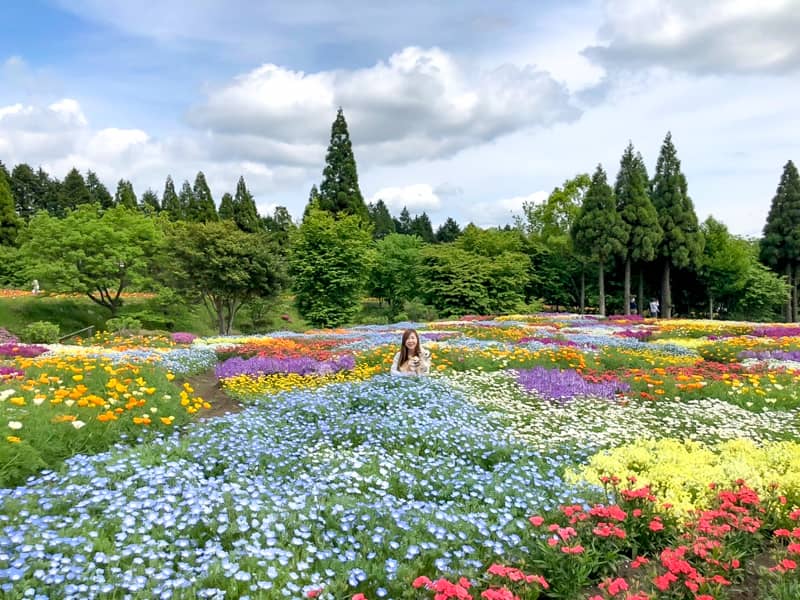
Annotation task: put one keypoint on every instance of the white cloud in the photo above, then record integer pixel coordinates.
(59, 136)
(420, 104)
(113, 142)
(501, 212)
(417, 198)
(723, 36)
(69, 111)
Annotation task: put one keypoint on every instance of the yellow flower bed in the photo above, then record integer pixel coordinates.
(81, 390)
(246, 386)
(679, 472)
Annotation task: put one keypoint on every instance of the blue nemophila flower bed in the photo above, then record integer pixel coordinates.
(354, 487)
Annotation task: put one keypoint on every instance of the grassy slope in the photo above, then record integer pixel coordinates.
(72, 314)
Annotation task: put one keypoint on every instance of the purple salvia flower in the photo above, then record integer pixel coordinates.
(558, 384)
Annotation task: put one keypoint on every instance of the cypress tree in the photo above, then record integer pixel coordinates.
(280, 225)
(187, 201)
(313, 201)
(26, 189)
(205, 209)
(598, 230)
(226, 208)
(125, 196)
(780, 246)
(50, 194)
(382, 223)
(245, 211)
(170, 203)
(9, 222)
(149, 202)
(73, 192)
(403, 224)
(421, 226)
(639, 216)
(339, 193)
(448, 231)
(682, 244)
(98, 193)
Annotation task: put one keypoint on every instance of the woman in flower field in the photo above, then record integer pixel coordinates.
(412, 359)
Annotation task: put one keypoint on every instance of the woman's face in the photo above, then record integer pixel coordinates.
(411, 341)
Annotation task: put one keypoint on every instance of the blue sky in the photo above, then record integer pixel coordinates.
(463, 109)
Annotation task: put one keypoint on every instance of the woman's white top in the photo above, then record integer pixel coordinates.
(423, 368)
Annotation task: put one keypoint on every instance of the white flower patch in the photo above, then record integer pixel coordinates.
(594, 422)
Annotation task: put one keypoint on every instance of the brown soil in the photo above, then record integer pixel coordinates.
(207, 387)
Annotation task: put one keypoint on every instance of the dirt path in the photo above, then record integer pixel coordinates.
(207, 387)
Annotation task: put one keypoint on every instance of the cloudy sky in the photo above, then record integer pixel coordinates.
(463, 108)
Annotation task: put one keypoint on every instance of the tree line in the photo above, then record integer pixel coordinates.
(640, 236)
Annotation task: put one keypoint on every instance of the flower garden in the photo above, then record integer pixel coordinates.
(546, 456)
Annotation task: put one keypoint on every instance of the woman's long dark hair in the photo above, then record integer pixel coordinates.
(403, 350)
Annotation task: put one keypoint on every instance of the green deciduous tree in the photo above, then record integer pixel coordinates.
(598, 231)
(330, 261)
(93, 252)
(724, 265)
(339, 192)
(394, 275)
(224, 267)
(682, 243)
(125, 196)
(639, 216)
(780, 246)
(456, 281)
(490, 242)
(552, 251)
(203, 210)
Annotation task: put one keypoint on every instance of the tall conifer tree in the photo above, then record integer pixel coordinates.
(9, 222)
(170, 203)
(448, 231)
(226, 208)
(186, 201)
(639, 216)
(598, 231)
(245, 211)
(98, 193)
(26, 189)
(382, 223)
(205, 211)
(73, 192)
(421, 226)
(780, 246)
(125, 196)
(149, 202)
(339, 193)
(682, 244)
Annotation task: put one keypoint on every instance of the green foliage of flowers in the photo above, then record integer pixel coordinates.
(40, 332)
(680, 471)
(65, 406)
